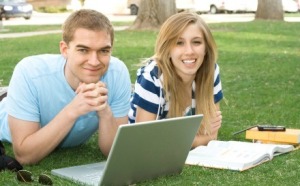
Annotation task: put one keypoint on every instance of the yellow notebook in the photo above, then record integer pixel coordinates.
(290, 136)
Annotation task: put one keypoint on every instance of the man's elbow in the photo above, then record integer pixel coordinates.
(26, 160)
(105, 150)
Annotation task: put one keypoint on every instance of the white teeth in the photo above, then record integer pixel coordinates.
(189, 61)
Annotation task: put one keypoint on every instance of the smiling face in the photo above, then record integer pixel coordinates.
(87, 55)
(188, 53)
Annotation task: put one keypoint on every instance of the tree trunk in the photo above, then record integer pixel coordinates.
(152, 13)
(1, 26)
(269, 10)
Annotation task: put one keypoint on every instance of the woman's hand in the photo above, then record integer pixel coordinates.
(216, 123)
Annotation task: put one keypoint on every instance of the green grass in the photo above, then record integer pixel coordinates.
(260, 66)
(33, 28)
(28, 28)
(292, 14)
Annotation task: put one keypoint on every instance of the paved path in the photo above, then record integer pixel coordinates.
(43, 18)
(50, 19)
(27, 34)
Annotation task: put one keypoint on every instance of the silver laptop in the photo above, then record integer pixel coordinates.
(140, 152)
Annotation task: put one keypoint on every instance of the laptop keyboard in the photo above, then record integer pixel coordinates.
(94, 176)
(97, 172)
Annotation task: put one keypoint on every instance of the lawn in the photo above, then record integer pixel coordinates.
(259, 64)
(33, 28)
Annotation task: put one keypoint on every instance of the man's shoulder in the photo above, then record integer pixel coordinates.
(40, 60)
(116, 64)
(39, 65)
(115, 60)
(116, 70)
(37, 60)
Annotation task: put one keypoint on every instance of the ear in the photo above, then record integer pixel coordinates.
(63, 46)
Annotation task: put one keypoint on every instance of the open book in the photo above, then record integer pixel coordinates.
(234, 155)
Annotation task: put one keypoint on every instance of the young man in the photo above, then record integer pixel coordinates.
(61, 100)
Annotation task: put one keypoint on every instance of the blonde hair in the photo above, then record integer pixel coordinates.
(87, 19)
(167, 37)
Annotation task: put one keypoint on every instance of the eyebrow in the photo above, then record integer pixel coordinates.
(83, 46)
(197, 37)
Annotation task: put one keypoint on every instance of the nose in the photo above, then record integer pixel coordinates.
(93, 59)
(189, 49)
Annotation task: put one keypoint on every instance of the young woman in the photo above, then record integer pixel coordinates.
(182, 77)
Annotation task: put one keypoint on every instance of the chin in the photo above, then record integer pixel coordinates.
(191, 73)
(91, 81)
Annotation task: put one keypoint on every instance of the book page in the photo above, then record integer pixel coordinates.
(271, 149)
(234, 155)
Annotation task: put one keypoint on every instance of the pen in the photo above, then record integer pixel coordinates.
(243, 130)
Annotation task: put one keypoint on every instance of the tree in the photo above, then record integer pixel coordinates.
(269, 9)
(152, 13)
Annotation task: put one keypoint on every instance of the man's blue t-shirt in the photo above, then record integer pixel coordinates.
(38, 91)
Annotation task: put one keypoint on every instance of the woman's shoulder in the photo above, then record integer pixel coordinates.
(217, 67)
(150, 68)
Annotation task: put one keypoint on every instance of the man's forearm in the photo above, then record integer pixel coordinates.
(36, 145)
(107, 130)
